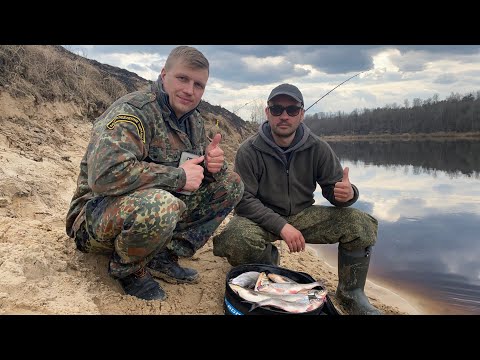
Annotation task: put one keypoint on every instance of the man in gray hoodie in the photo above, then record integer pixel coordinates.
(281, 166)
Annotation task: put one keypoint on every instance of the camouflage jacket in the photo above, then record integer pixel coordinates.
(136, 145)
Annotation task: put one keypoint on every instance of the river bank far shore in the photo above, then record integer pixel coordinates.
(438, 136)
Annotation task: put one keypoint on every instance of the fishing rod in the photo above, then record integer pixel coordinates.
(241, 107)
(333, 89)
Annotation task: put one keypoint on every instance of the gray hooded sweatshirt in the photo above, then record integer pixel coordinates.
(281, 183)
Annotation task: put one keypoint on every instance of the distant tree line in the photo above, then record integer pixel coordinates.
(458, 113)
(453, 157)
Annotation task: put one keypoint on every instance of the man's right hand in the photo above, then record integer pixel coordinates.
(293, 238)
(194, 173)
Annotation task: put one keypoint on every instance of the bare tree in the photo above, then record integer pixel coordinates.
(257, 114)
(417, 102)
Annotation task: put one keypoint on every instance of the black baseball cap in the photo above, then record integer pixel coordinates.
(287, 89)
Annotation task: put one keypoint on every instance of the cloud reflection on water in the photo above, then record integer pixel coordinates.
(428, 229)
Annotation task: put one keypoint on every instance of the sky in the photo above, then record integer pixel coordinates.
(242, 76)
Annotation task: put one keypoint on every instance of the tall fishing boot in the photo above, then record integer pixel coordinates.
(352, 274)
(164, 265)
(270, 256)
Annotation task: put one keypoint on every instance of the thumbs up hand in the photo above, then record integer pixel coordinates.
(214, 156)
(343, 190)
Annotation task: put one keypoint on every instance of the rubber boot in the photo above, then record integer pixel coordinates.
(164, 265)
(270, 256)
(352, 275)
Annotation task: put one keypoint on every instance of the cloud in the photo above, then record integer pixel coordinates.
(251, 70)
(445, 79)
(333, 59)
(242, 73)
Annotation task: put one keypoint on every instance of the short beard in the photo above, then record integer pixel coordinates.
(283, 135)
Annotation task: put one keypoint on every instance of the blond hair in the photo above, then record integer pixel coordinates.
(191, 56)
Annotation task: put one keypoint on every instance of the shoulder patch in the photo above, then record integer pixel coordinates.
(121, 118)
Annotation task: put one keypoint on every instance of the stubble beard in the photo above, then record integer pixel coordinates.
(283, 134)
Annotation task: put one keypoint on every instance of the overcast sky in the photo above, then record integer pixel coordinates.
(244, 75)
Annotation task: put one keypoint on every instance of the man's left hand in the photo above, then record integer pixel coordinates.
(343, 190)
(214, 155)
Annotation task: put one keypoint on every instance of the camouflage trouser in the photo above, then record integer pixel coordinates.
(244, 241)
(134, 227)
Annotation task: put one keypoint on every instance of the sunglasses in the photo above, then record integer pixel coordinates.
(277, 110)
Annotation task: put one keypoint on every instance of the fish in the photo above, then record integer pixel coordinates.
(280, 279)
(249, 295)
(256, 296)
(291, 307)
(263, 284)
(246, 280)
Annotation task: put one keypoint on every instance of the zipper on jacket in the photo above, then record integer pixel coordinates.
(288, 190)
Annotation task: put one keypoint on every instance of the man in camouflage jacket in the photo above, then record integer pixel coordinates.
(134, 200)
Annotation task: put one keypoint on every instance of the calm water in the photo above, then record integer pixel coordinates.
(426, 197)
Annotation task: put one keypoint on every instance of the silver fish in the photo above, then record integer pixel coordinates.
(263, 284)
(255, 296)
(292, 307)
(246, 280)
(280, 279)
